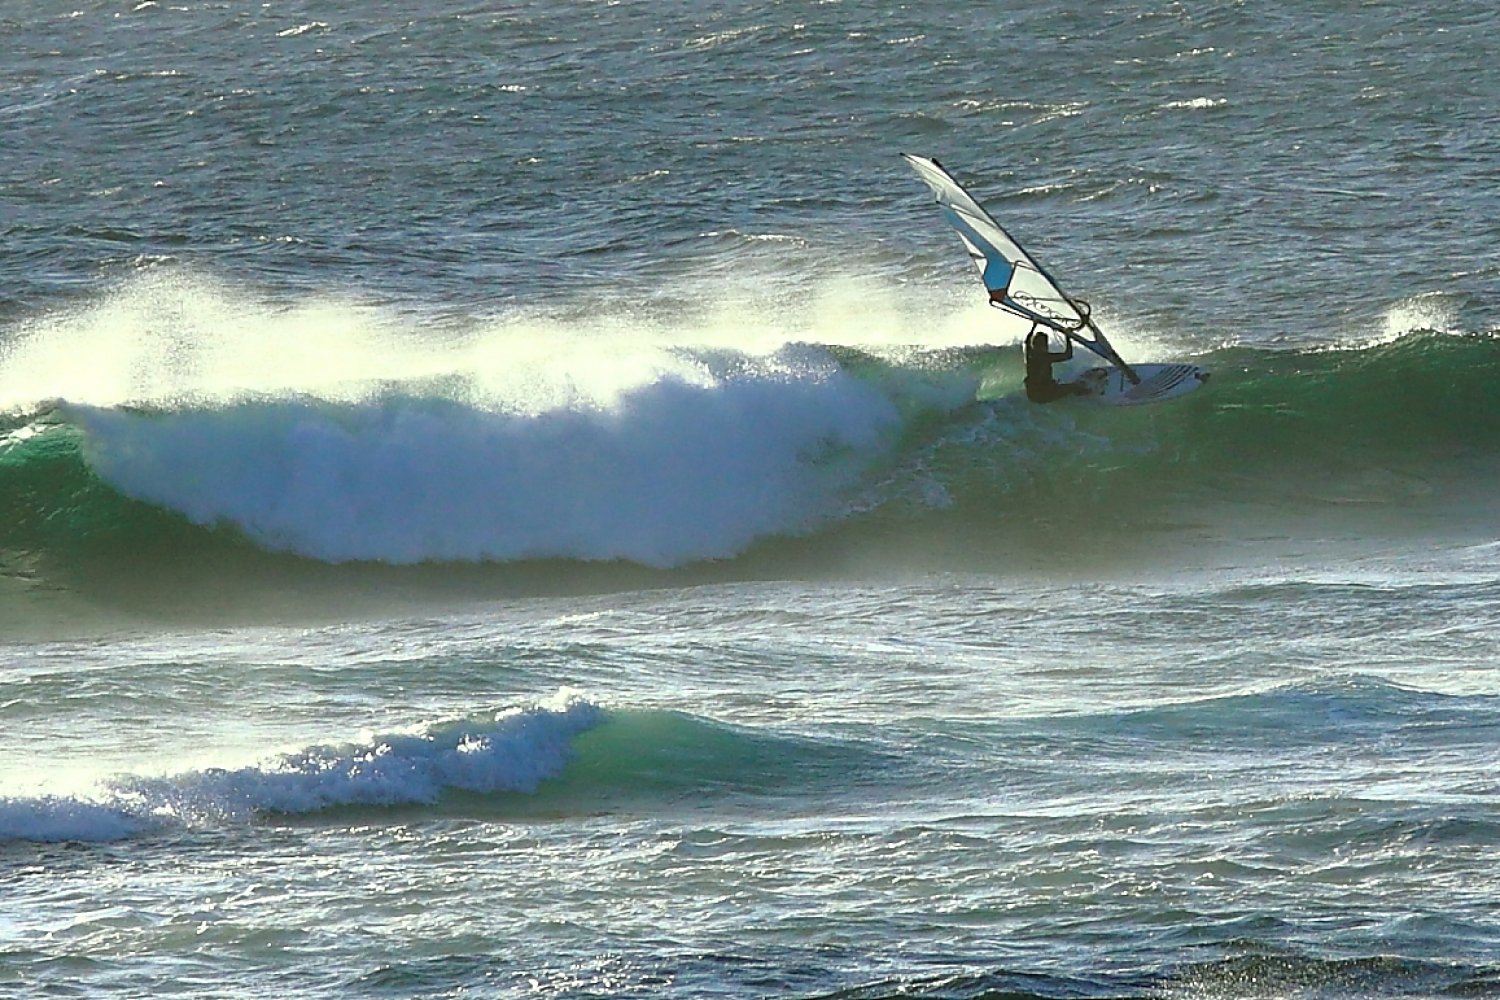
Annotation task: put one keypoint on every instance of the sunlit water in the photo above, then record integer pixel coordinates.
(531, 501)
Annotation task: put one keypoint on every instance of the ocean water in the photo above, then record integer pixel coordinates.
(528, 499)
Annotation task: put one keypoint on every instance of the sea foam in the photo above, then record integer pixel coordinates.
(685, 465)
(343, 431)
(513, 750)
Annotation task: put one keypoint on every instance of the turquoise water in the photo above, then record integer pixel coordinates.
(530, 500)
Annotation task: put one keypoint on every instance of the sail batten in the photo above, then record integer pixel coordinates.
(1016, 282)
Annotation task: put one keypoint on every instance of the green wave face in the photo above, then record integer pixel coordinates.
(56, 504)
(1418, 399)
(1285, 439)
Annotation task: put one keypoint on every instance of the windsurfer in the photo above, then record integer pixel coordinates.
(1041, 386)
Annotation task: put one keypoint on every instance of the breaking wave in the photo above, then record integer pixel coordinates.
(567, 754)
(540, 442)
(513, 750)
(677, 471)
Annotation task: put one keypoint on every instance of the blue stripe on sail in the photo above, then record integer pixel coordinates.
(997, 270)
(999, 267)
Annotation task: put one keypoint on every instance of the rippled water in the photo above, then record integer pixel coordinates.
(529, 500)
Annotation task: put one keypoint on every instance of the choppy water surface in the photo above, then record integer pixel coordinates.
(529, 500)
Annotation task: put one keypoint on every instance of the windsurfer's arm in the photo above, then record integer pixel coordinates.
(1066, 355)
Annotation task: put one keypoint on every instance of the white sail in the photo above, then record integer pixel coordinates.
(1016, 282)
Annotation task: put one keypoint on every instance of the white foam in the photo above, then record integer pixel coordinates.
(1197, 104)
(513, 750)
(687, 465)
(171, 335)
(57, 819)
(1430, 311)
(341, 431)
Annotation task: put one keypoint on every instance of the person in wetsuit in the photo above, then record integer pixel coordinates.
(1041, 387)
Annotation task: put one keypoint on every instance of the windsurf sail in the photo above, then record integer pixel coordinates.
(1016, 282)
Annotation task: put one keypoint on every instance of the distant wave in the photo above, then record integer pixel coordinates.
(514, 750)
(1337, 710)
(1285, 972)
(570, 756)
(567, 754)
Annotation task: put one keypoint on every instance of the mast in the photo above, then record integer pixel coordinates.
(1016, 282)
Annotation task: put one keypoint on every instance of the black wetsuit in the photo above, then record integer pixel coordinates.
(1041, 387)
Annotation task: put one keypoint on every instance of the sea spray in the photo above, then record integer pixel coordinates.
(684, 456)
(678, 468)
(511, 750)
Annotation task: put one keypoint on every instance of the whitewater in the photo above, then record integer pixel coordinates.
(531, 501)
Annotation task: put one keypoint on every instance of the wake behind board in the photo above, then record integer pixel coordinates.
(1157, 383)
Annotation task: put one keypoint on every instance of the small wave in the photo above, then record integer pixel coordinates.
(55, 819)
(513, 750)
(1284, 973)
(1002, 983)
(721, 38)
(566, 754)
(1197, 104)
(1292, 974)
(1338, 710)
(642, 754)
(303, 29)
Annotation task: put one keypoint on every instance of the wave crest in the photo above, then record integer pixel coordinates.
(512, 750)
